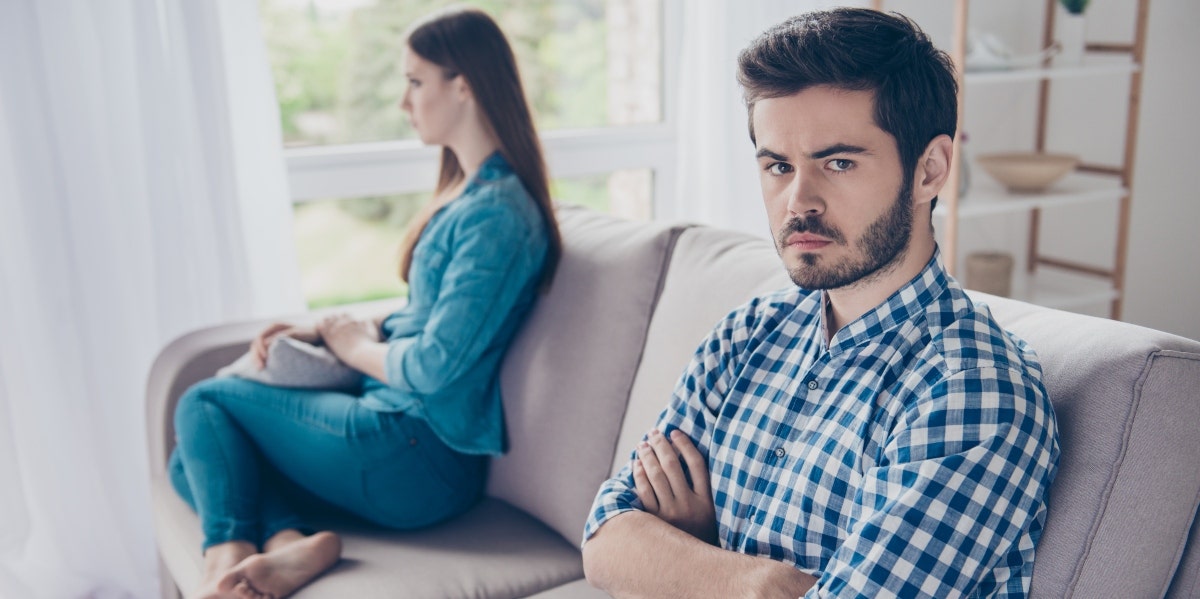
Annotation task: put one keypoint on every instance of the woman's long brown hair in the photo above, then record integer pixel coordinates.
(467, 42)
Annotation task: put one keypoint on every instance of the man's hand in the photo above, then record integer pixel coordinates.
(663, 488)
(343, 334)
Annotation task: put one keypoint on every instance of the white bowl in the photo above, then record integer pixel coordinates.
(1027, 171)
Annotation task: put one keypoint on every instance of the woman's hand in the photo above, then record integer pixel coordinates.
(342, 334)
(664, 489)
(262, 343)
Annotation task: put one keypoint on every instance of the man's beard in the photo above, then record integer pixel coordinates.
(882, 246)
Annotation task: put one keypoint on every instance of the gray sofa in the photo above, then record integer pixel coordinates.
(596, 362)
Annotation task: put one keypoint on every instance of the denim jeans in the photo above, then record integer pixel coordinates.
(247, 453)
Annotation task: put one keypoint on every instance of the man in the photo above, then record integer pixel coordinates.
(870, 432)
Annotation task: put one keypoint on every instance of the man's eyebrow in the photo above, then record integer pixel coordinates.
(765, 153)
(825, 153)
(838, 149)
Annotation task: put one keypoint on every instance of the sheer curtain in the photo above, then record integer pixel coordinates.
(717, 176)
(142, 194)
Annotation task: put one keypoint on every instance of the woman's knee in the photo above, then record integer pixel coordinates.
(190, 411)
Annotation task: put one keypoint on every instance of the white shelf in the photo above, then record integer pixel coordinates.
(987, 198)
(1064, 290)
(1002, 76)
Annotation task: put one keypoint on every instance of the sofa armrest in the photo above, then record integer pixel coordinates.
(198, 355)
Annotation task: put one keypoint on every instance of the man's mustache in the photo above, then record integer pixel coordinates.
(809, 225)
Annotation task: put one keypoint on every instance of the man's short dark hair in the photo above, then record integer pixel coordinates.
(864, 50)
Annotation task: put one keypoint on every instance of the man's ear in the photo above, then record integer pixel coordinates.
(933, 169)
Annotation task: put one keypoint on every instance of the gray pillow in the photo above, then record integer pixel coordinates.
(295, 364)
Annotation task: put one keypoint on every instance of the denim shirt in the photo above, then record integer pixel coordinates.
(475, 275)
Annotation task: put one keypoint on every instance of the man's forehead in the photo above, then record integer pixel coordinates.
(817, 117)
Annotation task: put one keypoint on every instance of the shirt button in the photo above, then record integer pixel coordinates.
(780, 452)
(812, 384)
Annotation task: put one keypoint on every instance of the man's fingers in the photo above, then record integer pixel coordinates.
(654, 471)
(642, 486)
(669, 460)
(697, 467)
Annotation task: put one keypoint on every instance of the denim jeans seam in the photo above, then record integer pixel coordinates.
(232, 523)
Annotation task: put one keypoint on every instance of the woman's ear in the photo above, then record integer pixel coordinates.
(462, 90)
(933, 169)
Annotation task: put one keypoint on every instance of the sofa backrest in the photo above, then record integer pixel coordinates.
(1125, 397)
(567, 376)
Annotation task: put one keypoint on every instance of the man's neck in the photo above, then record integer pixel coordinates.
(847, 304)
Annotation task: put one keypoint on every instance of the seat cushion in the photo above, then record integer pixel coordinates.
(567, 376)
(493, 551)
(580, 589)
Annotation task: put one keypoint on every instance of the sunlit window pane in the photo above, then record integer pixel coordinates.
(624, 193)
(338, 75)
(348, 249)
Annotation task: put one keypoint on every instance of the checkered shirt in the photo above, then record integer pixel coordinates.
(911, 456)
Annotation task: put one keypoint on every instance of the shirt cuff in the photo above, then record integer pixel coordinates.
(394, 366)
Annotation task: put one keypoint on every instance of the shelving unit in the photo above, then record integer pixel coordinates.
(1051, 281)
(1051, 73)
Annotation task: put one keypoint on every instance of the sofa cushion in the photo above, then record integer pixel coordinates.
(712, 272)
(567, 375)
(1186, 584)
(1127, 483)
(492, 551)
(579, 589)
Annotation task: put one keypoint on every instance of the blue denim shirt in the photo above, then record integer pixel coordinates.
(475, 274)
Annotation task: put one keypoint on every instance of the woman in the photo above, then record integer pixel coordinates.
(410, 449)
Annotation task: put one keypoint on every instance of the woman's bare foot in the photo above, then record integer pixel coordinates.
(218, 560)
(279, 573)
(283, 538)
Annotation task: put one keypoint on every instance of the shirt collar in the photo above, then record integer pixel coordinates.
(909, 301)
(494, 167)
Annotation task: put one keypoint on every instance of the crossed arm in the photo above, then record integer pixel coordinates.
(670, 549)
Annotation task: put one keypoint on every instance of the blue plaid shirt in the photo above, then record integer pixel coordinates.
(910, 456)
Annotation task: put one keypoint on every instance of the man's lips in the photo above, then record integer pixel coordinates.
(807, 241)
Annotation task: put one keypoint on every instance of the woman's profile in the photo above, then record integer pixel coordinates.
(409, 449)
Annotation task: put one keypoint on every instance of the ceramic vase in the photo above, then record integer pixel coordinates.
(1071, 32)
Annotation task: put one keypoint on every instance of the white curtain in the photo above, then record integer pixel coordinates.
(717, 176)
(142, 194)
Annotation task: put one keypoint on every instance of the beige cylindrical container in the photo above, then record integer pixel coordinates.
(990, 272)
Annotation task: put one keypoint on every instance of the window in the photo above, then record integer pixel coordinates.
(593, 71)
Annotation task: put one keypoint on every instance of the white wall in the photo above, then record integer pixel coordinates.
(1087, 118)
(1164, 255)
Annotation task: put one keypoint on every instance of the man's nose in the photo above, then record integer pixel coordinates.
(804, 194)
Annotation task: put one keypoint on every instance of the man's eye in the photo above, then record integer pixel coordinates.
(779, 168)
(841, 164)
(414, 83)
